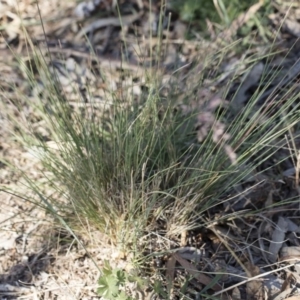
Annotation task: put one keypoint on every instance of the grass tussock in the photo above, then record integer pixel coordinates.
(124, 169)
(129, 165)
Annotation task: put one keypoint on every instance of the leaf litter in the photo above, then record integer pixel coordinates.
(34, 259)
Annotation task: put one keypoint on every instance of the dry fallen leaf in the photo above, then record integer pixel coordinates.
(292, 26)
(236, 294)
(251, 78)
(277, 238)
(254, 288)
(170, 272)
(113, 21)
(190, 268)
(191, 254)
(289, 253)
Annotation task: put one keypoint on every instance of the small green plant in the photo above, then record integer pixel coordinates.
(220, 11)
(221, 14)
(112, 281)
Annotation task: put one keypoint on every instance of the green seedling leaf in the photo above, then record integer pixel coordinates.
(107, 269)
(141, 282)
(123, 296)
(110, 283)
(121, 276)
(108, 287)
